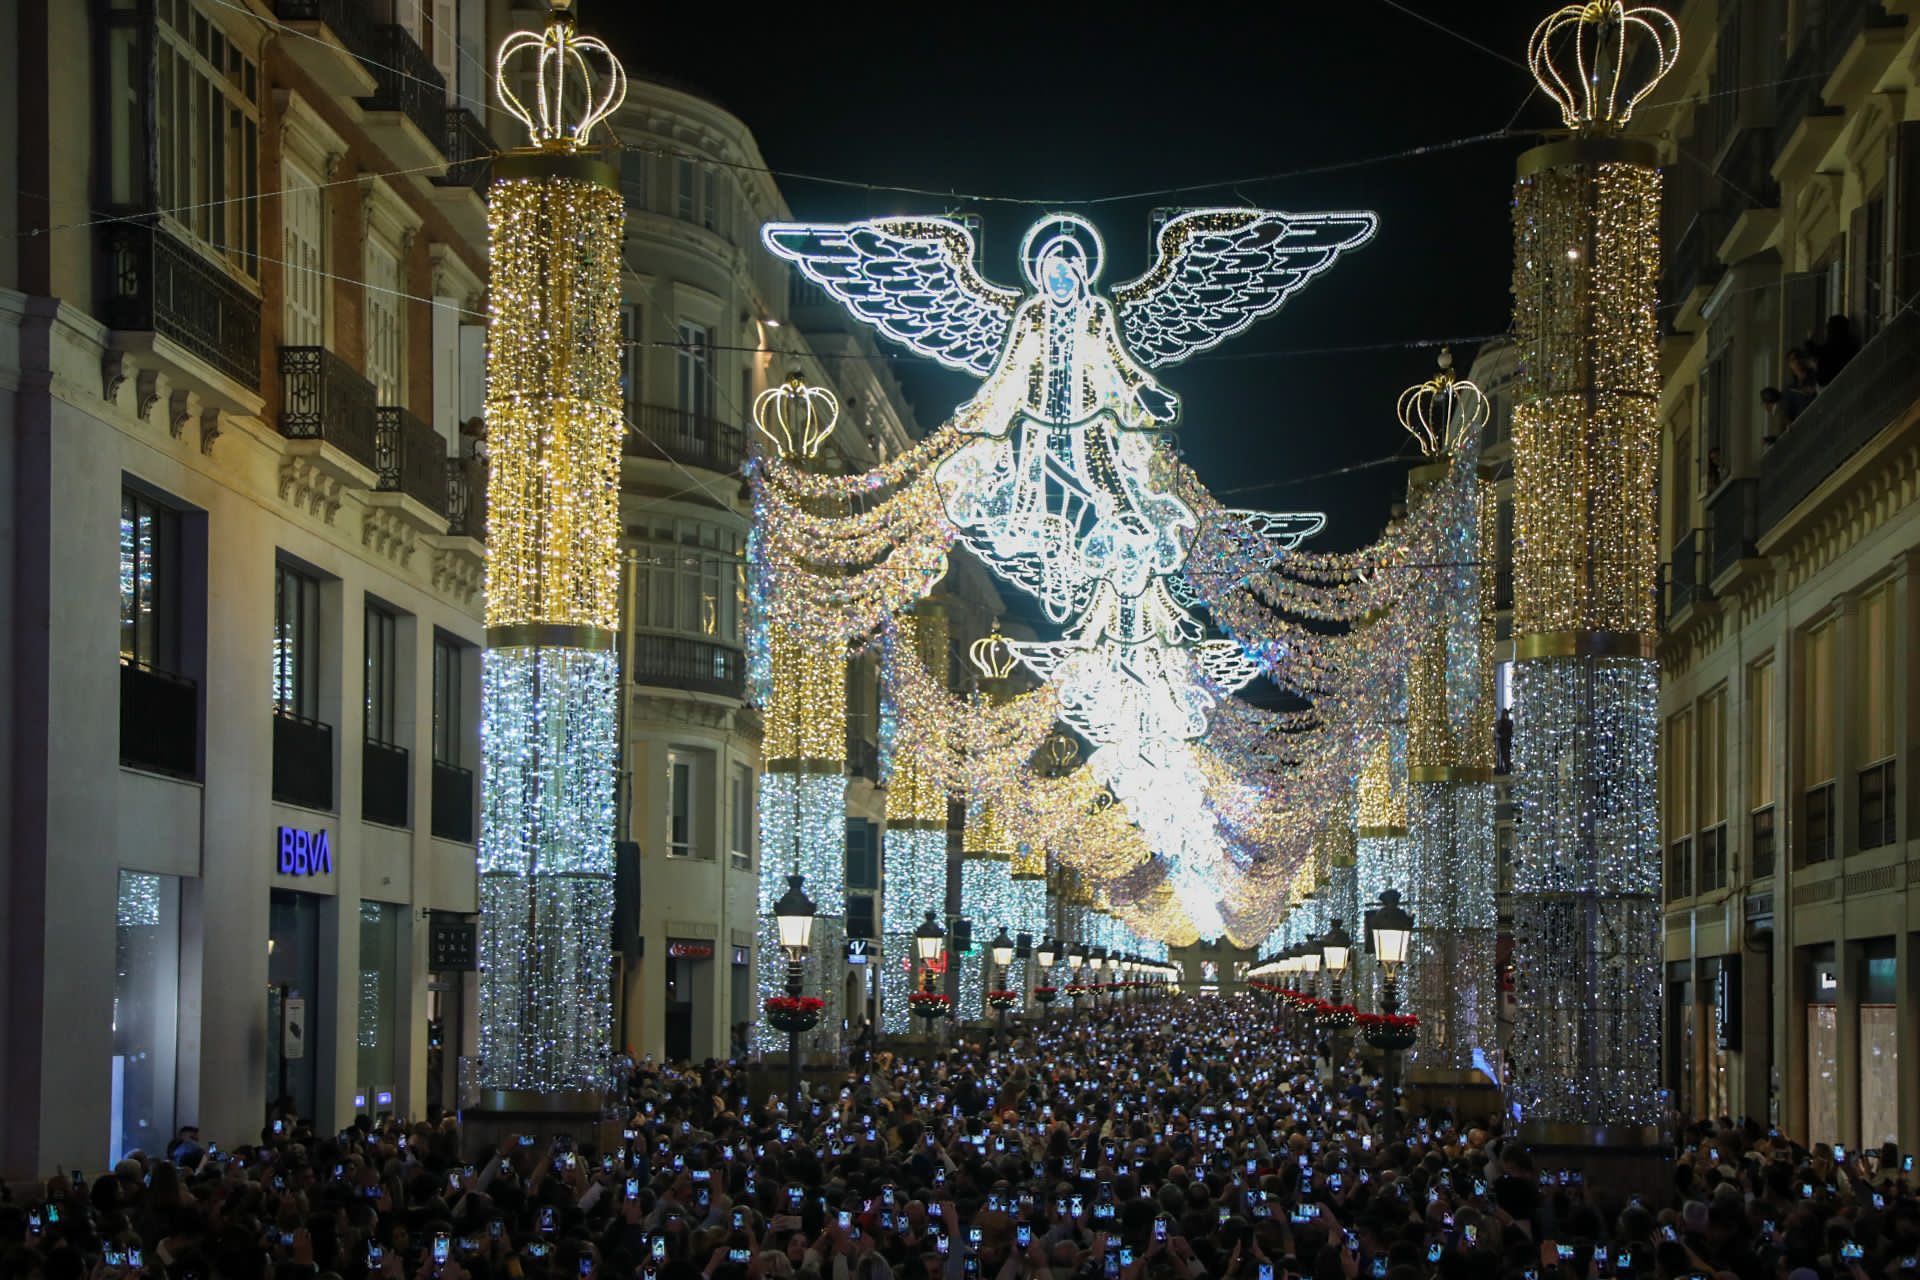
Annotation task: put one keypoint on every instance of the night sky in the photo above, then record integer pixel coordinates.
(1066, 103)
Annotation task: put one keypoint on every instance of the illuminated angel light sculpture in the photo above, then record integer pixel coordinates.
(1058, 488)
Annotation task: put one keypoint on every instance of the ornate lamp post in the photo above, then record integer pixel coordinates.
(1336, 948)
(1392, 932)
(929, 940)
(1001, 949)
(1076, 964)
(1096, 961)
(1043, 990)
(793, 915)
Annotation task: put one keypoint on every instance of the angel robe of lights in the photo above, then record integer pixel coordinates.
(1057, 491)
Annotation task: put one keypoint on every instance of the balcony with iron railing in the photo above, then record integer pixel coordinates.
(324, 398)
(409, 457)
(158, 284)
(466, 481)
(694, 666)
(1685, 585)
(469, 149)
(334, 41)
(302, 760)
(386, 780)
(407, 110)
(159, 720)
(1693, 264)
(452, 802)
(1731, 525)
(1877, 388)
(691, 439)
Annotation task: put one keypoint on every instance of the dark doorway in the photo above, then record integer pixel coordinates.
(293, 1014)
(679, 1009)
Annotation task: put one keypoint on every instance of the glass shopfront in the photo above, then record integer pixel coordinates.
(382, 983)
(146, 1012)
(1879, 1045)
(295, 1028)
(1823, 1046)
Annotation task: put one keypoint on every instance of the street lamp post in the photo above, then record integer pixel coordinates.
(1043, 992)
(1336, 947)
(1001, 949)
(1076, 964)
(1392, 931)
(793, 915)
(929, 940)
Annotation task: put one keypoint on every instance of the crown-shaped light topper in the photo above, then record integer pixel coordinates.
(1444, 411)
(563, 71)
(1580, 55)
(1062, 751)
(992, 656)
(796, 417)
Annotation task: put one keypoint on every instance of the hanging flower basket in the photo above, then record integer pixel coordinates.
(930, 1004)
(1076, 989)
(1045, 995)
(1389, 1031)
(1003, 999)
(1337, 1017)
(794, 1013)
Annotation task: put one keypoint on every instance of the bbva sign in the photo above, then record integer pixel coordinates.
(305, 853)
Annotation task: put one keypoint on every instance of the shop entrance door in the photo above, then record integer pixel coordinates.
(679, 1046)
(293, 979)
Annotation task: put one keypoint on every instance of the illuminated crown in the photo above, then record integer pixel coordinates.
(1586, 74)
(796, 417)
(992, 656)
(563, 68)
(1443, 412)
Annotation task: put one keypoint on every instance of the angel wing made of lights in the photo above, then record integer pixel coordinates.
(1216, 271)
(913, 279)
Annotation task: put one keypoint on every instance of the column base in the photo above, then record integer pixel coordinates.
(1615, 1162)
(507, 1113)
(1468, 1093)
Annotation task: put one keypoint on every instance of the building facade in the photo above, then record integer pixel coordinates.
(711, 320)
(1792, 533)
(241, 298)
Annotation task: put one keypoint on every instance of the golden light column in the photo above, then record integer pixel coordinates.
(549, 677)
(803, 786)
(914, 863)
(1450, 747)
(1585, 1054)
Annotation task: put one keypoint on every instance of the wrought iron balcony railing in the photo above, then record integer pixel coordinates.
(322, 397)
(681, 662)
(1730, 512)
(452, 802)
(466, 497)
(159, 720)
(1874, 388)
(302, 761)
(157, 283)
(386, 780)
(691, 439)
(351, 21)
(469, 151)
(406, 81)
(409, 457)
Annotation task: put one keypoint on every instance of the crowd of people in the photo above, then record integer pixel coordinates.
(1810, 366)
(1191, 1139)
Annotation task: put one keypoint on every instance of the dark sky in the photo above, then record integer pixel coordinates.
(1068, 102)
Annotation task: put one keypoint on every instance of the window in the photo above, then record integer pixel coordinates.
(686, 581)
(684, 828)
(449, 726)
(386, 324)
(685, 196)
(383, 671)
(150, 563)
(860, 915)
(1760, 764)
(1823, 1045)
(1879, 1044)
(1869, 250)
(696, 370)
(1875, 718)
(710, 208)
(863, 854)
(1678, 780)
(1682, 485)
(443, 41)
(1817, 746)
(632, 357)
(206, 114)
(633, 177)
(1711, 791)
(303, 258)
(740, 812)
(296, 643)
